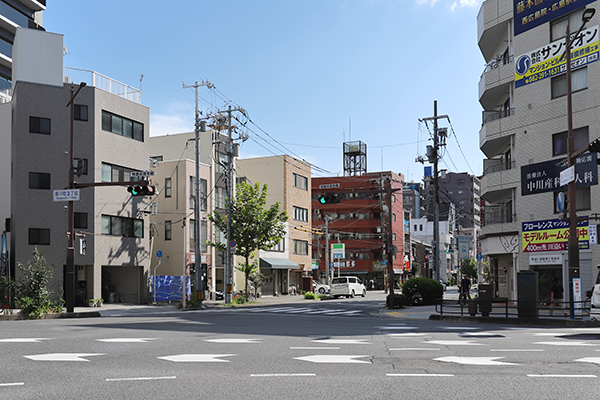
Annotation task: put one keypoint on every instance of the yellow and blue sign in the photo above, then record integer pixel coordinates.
(547, 61)
(552, 235)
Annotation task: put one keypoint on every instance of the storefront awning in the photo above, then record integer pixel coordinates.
(278, 263)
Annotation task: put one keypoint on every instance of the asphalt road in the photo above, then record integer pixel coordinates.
(337, 349)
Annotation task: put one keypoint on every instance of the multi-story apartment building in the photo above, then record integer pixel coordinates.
(288, 181)
(110, 141)
(523, 92)
(174, 224)
(412, 198)
(15, 14)
(212, 153)
(359, 218)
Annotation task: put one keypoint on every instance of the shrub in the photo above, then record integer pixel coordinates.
(431, 290)
(239, 299)
(400, 301)
(310, 296)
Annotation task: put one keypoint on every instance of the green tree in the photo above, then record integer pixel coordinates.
(468, 268)
(253, 227)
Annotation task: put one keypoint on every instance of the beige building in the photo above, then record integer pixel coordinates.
(289, 183)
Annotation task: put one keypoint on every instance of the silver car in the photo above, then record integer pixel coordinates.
(320, 288)
(348, 286)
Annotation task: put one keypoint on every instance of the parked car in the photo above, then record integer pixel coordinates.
(320, 288)
(348, 286)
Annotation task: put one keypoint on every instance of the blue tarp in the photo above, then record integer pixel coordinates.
(169, 288)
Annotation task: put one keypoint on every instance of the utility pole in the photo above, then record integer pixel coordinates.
(200, 126)
(439, 140)
(389, 246)
(327, 264)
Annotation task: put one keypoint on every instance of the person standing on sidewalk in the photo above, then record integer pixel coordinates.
(556, 297)
(465, 289)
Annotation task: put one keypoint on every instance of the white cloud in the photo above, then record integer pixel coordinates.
(178, 119)
(456, 4)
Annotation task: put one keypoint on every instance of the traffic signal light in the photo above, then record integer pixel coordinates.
(141, 190)
(329, 198)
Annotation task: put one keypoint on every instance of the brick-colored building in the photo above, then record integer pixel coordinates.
(358, 218)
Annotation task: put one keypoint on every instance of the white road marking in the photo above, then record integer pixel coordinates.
(460, 328)
(595, 360)
(233, 340)
(63, 356)
(400, 328)
(277, 375)
(397, 326)
(298, 310)
(516, 349)
(454, 342)
(23, 340)
(561, 376)
(351, 312)
(334, 359)
(421, 375)
(474, 360)
(13, 384)
(549, 334)
(126, 340)
(342, 341)
(407, 334)
(566, 343)
(140, 379)
(314, 348)
(481, 334)
(415, 349)
(196, 358)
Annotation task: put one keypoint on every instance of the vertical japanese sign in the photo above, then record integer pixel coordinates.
(546, 62)
(531, 13)
(463, 246)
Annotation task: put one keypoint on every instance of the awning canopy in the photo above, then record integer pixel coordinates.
(278, 263)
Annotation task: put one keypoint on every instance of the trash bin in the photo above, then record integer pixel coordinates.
(472, 307)
(485, 299)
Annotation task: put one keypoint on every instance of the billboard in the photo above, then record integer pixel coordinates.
(545, 176)
(545, 62)
(531, 13)
(551, 235)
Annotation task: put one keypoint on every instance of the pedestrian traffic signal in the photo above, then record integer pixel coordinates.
(141, 190)
(329, 198)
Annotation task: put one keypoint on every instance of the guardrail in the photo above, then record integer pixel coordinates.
(506, 308)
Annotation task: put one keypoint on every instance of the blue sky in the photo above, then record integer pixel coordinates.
(309, 73)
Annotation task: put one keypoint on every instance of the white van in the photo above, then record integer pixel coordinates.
(348, 286)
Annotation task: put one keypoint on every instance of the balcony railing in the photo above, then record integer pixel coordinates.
(488, 116)
(497, 63)
(498, 219)
(103, 82)
(503, 166)
(5, 95)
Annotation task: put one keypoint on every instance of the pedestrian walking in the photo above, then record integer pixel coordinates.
(372, 284)
(465, 289)
(556, 297)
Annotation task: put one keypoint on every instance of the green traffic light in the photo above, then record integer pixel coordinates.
(322, 200)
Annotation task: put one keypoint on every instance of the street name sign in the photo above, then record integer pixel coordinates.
(65, 195)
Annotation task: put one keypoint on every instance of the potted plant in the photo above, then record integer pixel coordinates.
(98, 302)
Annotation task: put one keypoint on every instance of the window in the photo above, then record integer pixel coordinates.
(421, 227)
(203, 186)
(393, 236)
(80, 220)
(192, 233)
(168, 230)
(39, 180)
(300, 247)
(81, 112)
(192, 192)
(39, 125)
(559, 140)
(39, 236)
(221, 163)
(393, 217)
(280, 247)
(393, 198)
(558, 27)
(582, 197)
(84, 165)
(115, 173)
(122, 126)
(203, 236)
(578, 82)
(300, 182)
(220, 197)
(167, 187)
(122, 226)
(300, 214)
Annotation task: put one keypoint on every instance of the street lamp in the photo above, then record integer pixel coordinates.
(573, 239)
(70, 267)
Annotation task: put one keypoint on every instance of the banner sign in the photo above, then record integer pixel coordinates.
(463, 246)
(546, 61)
(531, 13)
(552, 235)
(545, 177)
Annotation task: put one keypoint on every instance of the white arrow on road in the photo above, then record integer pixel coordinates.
(334, 359)
(474, 360)
(566, 343)
(23, 340)
(63, 356)
(197, 358)
(126, 340)
(595, 360)
(233, 340)
(342, 341)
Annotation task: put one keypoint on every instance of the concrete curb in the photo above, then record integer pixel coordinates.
(20, 317)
